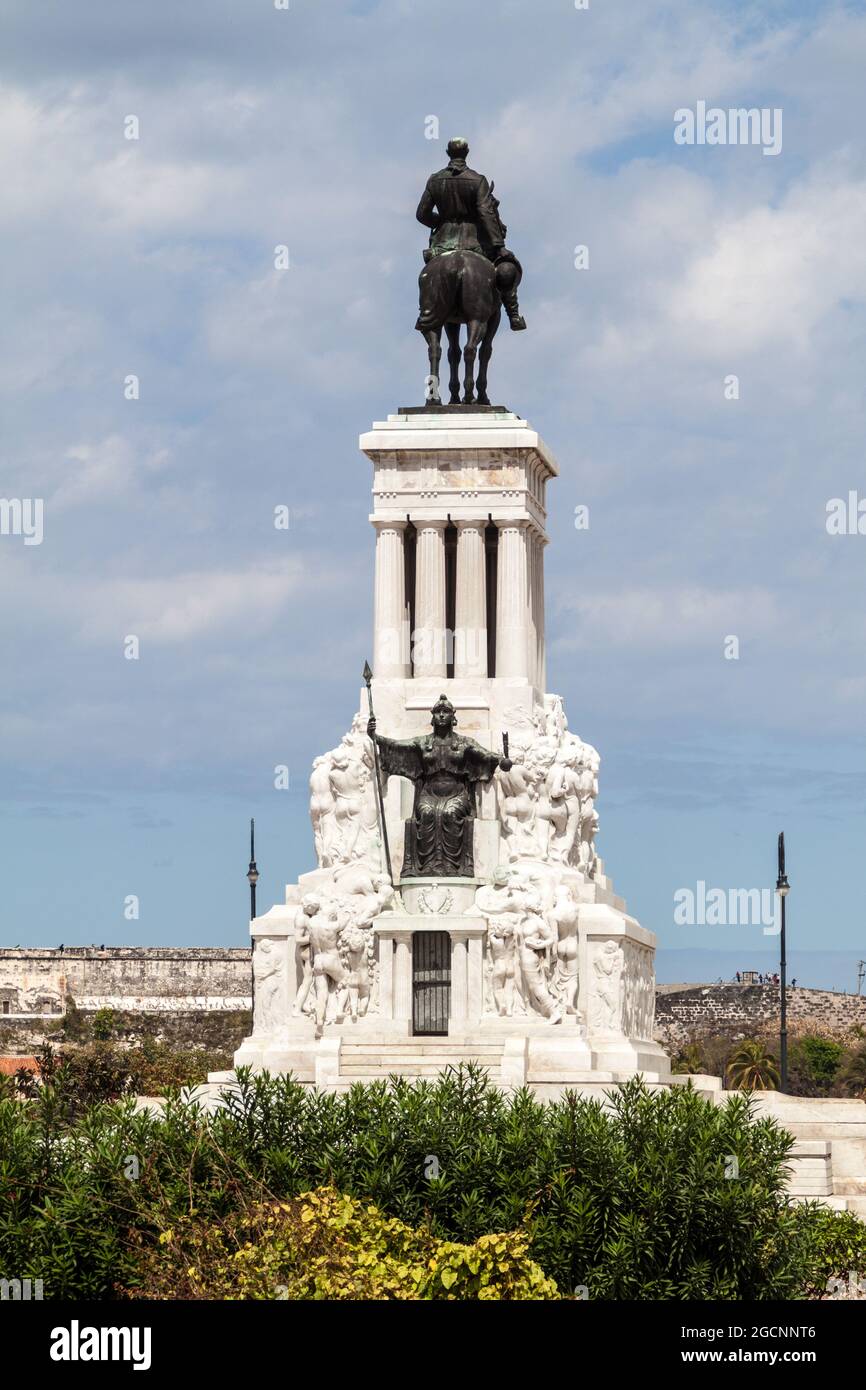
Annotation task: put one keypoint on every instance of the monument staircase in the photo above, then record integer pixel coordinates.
(417, 1057)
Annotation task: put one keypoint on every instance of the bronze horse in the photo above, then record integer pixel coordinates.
(463, 287)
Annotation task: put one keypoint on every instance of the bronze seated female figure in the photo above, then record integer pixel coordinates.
(445, 768)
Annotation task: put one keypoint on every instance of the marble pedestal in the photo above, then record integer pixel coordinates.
(459, 514)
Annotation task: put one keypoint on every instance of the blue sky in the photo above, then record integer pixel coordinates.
(306, 128)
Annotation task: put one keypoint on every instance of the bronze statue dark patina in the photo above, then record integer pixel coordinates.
(468, 277)
(445, 768)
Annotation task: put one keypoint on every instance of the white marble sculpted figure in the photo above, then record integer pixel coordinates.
(531, 944)
(547, 800)
(334, 945)
(343, 802)
(269, 960)
(605, 1006)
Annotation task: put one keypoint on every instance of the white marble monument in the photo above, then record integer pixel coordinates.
(532, 965)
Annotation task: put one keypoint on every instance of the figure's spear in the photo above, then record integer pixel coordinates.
(368, 677)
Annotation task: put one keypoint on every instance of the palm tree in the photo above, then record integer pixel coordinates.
(689, 1060)
(752, 1068)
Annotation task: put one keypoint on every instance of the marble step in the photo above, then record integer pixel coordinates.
(404, 1069)
(419, 1064)
(417, 1048)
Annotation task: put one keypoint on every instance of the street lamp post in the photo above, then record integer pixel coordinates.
(783, 889)
(252, 873)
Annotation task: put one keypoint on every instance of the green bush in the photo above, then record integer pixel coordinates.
(836, 1242)
(103, 1071)
(104, 1023)
(851, 1079)
(325, 1245)
(813, 1064)
(630, 1199)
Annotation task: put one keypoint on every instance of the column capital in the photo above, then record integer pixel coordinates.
(382, 523)
(429, 523)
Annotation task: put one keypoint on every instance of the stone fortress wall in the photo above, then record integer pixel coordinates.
(684, 1012)
(146, 979)
(162, 979)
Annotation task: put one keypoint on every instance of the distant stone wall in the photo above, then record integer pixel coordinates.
(184, 983)
(688, 1011)
(149, 979)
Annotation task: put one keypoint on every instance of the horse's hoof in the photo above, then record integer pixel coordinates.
(455, 400)
(468, 400)
(483, 400)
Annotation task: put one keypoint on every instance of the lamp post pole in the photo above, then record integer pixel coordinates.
(783, 888)
(252, 873)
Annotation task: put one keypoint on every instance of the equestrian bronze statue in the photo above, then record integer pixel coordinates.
(468, 278)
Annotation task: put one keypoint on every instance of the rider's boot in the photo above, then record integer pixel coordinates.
(512, 309)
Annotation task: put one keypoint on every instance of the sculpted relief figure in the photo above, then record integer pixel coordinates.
(563, 916)
(547, 801)
(503, 963)
(361, 892)
(517, 792)
(606, 1002)
(343, 803)
(536, 939)
(356, 951)
(563, 799)
(520, 943)
(268, 961)
(334, 944)
(503, 909)
(317, 925)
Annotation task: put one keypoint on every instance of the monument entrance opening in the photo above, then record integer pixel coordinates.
(431, 983)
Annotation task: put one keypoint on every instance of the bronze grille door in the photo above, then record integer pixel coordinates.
(431, 982)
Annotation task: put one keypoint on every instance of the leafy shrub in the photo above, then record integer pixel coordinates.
(325, 1245)
(836, 1242)
(629, 1198)
(103, 1024)
(814, 1063)
(851, 1078)
(103, 1071)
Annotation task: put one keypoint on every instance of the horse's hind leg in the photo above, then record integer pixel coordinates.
(452, 331)
(475, 329)
(484, 354)
(434, 353)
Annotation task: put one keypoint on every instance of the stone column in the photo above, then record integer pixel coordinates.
(470, 623)
(390, 643)
(532, 606)
(475, 999)
(459, 979)
(386, 976)
(512, 598)
(541, 542)
(403, 975)
(430, 648)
